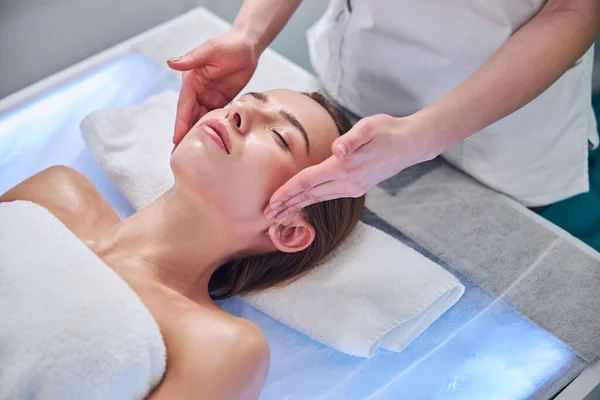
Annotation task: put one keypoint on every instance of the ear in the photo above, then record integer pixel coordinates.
(292, 234)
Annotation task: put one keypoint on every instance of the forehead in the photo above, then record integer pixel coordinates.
(320, 126)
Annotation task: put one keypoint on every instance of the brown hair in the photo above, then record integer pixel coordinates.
(332, 220)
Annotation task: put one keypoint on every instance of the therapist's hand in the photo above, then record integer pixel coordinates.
(375, 149)
(213, 74)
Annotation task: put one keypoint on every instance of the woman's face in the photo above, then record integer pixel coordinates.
(236, 158)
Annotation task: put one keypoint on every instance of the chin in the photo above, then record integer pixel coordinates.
(196, 173)
(187, 163)
(180, 160)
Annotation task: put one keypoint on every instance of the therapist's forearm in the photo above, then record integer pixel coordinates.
(262, 20)
(526, 65)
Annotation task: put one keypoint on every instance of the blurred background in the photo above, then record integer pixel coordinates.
(41, 37)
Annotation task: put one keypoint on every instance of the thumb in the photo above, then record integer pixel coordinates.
(351, 141)
(189, 60)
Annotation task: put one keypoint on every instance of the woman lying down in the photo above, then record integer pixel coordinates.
(206, 238)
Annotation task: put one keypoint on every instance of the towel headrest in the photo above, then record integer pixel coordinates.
(371, 292)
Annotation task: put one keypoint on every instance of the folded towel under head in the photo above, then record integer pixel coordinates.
(372, 291)
(70, 327)
(133, 145)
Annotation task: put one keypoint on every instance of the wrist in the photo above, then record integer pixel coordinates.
(251, 36)
(429, 135)
(443, 124)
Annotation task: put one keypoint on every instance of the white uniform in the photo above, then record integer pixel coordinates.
(397, 56)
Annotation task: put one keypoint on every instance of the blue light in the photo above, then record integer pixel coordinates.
(479, 349)
(45, 131)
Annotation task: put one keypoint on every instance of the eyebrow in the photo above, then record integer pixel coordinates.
(288, 116)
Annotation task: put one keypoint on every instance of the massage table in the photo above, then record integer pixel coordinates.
(527, 326)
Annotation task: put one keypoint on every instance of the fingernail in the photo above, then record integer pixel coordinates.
(275, 205)
(282, 214)
(271, 214)
(175, 59)
(342, 148)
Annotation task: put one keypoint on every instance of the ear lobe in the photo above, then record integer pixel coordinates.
(295, 236)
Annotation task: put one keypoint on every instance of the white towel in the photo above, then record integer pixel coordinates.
(70, 327)
(372, 292)
(133, 145)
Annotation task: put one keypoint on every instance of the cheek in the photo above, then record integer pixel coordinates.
(191, 161)
(261, 170)
(237, 188)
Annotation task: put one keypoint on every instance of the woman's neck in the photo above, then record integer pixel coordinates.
(175, 241)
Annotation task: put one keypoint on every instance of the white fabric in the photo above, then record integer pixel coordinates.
(395, 57)
(472, 345)
(134, 146)
(374, 291)
(70, 327)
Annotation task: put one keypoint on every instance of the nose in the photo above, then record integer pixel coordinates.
(244, 117)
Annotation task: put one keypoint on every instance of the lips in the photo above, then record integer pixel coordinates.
(218, 132)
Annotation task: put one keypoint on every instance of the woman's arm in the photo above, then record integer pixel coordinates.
(379, 146)
(262, 20)
(230, 362)
(526, 65)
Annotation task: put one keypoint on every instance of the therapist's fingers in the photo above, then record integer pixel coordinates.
(192, 59)
(362, 133)
(323, 192)
(189, 110)
(211, 97)
(199, 111)
(305, 180)
(185, 106)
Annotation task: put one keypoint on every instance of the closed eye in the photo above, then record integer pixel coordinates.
(280, 138)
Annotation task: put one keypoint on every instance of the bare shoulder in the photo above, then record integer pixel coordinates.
(69, 195)
(231, 339)
(250, 342)
(216, 354)
(57, 184)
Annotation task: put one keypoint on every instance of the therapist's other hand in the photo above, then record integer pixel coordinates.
(375, 149)
(213, 74)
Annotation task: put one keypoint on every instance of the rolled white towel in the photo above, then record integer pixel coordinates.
(133, 145)
(70, 327)
(372, 292)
